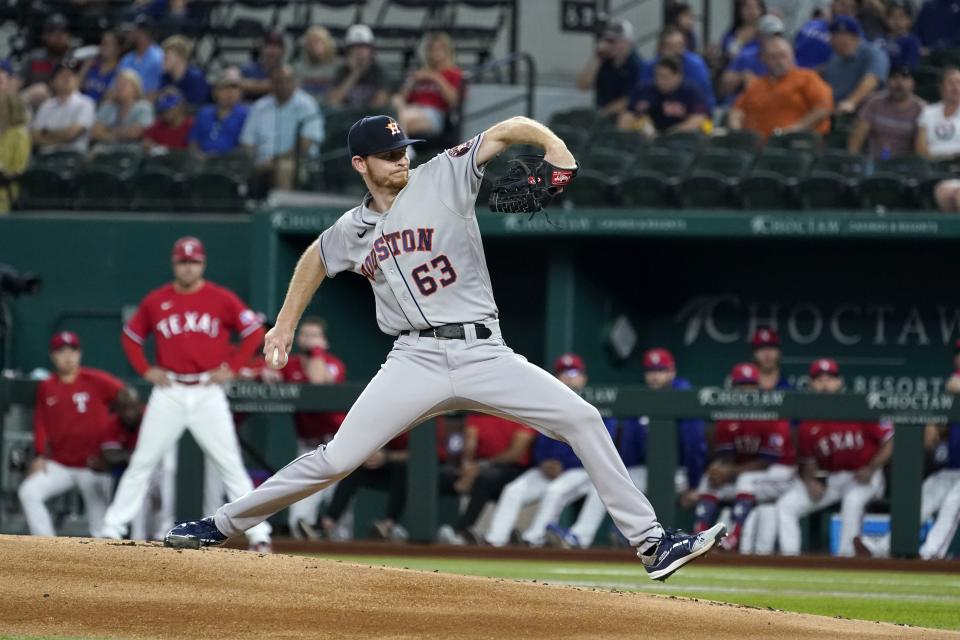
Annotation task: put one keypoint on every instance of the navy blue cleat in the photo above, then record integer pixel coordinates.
(193, 535)
(676, 549)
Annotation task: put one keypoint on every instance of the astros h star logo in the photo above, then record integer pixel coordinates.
(393, 127)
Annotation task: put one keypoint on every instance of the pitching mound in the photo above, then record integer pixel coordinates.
(92, 588)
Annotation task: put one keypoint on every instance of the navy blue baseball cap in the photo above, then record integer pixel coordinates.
(376, 134)
(845, 24)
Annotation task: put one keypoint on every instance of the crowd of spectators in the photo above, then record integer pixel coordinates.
(782, 68)
(136, 92)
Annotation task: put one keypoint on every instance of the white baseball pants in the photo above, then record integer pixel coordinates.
(56, 479)
(940, 495)
(157, 515)
(423, 377)
(204, 411)
(529, 487)
(841, 487)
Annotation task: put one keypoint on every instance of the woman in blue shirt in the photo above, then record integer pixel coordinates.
(100, 71)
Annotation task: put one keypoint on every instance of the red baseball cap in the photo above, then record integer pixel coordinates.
(64, 339)
(659, 360)
(569, 362)
(765, 337)
(824, 367)
(188, 249)
(745, 373)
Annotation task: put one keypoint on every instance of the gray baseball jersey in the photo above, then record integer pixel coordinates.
(425, 262)
(424, 257)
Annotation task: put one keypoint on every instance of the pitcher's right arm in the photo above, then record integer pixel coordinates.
(307, 276)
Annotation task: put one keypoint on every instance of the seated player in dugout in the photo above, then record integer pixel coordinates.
(492, 452)
(753, 464)
(70, 421)
(630, 437)
(839, 462)
(766, 357)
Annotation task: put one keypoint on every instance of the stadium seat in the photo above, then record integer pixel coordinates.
(825, 190)
(910, 167)
(849, 165)
(591, 189)
(742, 139)
(237, 164)
(923, 195)
(122, 163)
(216, 192)
(157, 190)
(789, 164)
(610, 163)
(583, 118)
(949, 167)
(178, 162)
(66, 163)
(663, 162)
(649, 190)
(577, 139)
(886, 191)
(766, 190)
(44, 188)
(797, 141)
(729, 163)
(100, 190)
(629, 142)
(708, 190)
(689, 141)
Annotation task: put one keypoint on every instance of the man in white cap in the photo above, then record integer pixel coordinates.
(361, 82)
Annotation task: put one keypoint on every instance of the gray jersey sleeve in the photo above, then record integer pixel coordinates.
(458, 177)
(334, 247)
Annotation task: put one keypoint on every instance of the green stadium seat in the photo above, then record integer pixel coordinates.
(649, 190)
(45, 188)
(923, 194)
(886, 191)
(742, 139)
(630, 142)
(766, 190)
(788, 164)
(663, 161)
(825, 190)
(157, 190)
(100, 189)
(216, 192)
(591, 189)
(123, 163)
(910, 167)
(730, 163)
(611, 163)
(708, 190)
(689, 141)
(179, 162)
(237, 164)
(580, 118)
(66, 163)
(809, 141)
(949, 167)
(849, 165)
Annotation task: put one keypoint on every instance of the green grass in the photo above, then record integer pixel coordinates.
(920, 599)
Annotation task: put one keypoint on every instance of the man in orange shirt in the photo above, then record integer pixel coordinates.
(788, 99)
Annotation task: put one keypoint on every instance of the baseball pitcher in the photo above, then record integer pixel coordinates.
(415, 238)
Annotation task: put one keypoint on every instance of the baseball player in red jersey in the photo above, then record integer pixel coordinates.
(191, 321)
(313, 365)
(753, 464)
(70, 421)
(850, 454)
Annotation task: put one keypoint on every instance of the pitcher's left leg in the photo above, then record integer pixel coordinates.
(503, 383)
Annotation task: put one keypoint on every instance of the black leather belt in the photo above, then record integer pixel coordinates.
(452, 332)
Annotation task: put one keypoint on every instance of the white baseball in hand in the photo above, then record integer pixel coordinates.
(279, 359)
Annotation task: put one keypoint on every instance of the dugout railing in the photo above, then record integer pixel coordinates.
(908, 411)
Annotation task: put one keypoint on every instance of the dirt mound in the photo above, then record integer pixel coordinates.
(92, 588)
